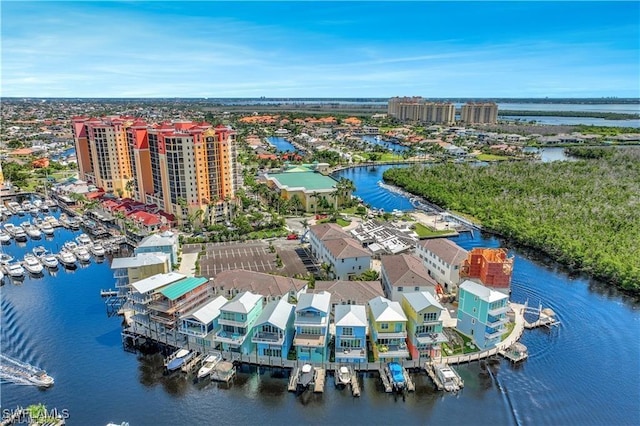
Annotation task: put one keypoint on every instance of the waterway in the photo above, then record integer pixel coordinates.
(281, 144)
(572, 121)
(389, 145)
(584, 372)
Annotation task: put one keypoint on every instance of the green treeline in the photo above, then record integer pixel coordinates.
(585, 214)
(591, 152)
(591, 114)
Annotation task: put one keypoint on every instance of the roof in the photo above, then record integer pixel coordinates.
(386, 310)
(406, 270)
(276, 313)
(351, 315)
(148, 219)
(157, 281)
(182, 287)
(140, 259)
(318, 301)
(310, 181)
(257, 282)
(446, 250)
(327, 231)
(208, 312)
(346, 248)
(156, 240)
(422, 300)
(243, 302)
(358, 292)
(482, 292)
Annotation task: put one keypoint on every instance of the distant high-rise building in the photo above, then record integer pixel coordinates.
(182, 167)
(479, 113)
(417, 109)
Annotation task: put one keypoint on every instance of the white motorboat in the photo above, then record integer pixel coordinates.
(97, 250)
(4, 237)
(83, 239)
(5, 211)
(22, 373)
(448, 377)
(209, 363)
(70, 246)
(31, 230)
(177, 359)
(48, 259)
(13, 207)
(20, 235)
(34, 211)
(67, 258)
(10, 228)
(15, 270)
(64, 220)
(82, 254)
(343, 377)
(52, 221)
(74, 223)
(47, 229)
(32, 264)
(5, 259)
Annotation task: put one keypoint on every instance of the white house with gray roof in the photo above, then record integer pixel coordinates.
(388, 325)
(345, 256)
(273, 330)
(443, 259)
(166, 243)
(404, 273)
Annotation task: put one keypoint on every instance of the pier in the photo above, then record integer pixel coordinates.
(318, 381)
(386, 383)
(108, 293)
(293, 380)
(355, 385)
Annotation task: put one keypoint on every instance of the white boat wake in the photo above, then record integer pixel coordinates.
(21, 373)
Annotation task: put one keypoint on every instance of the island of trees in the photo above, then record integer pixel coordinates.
(585, 214)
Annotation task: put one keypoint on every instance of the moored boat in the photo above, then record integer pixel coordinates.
(14, 270)
(4, 237)
(396, 376)
(82, 254)
(305, 377)
(67, 258)
(209, 363)
(32, 264)
(177, 359)
(97, 249)
(83, 239)
(343, 376)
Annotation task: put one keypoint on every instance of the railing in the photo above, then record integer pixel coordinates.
(400, 335)
(497, 311)
(233, 323)
(272, 338)
(320, 321)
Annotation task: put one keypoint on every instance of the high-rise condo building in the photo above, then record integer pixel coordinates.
(418, 109)
(182, 167)
(479, 113)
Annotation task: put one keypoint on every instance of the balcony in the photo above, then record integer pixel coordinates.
(320, 321)
(193, 331)
(494, 322)
(309, 340)
(233, 323)
(162, 319)
(230, 338)
(430, 338)
(493, 333)
(498, 311)
(270, 338)
(399, 335)
(391, 351)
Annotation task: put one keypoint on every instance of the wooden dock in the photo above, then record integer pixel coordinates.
(385, 380)
(411, 387)
(293, 380)
(355, 385)
(515, 353)
(318, 385)
(430, 367)
(224, 371)
(108, 293)
(192, 363)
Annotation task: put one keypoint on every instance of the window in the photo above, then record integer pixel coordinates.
(347, 331)
(430, 316)
(473, 321)
(384, 326)
(399, 288)
(416, 288)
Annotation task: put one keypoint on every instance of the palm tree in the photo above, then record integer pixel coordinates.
(305, 224)
(335, 194)
(130, 186)
(296, 203)
(315, 195)
(327, 270)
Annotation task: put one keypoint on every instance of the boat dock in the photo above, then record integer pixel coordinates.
(546, 317)
(224, 371)
(108, 293)
(515, 353)
(355, 385)
(318, 385)
(293, 380)
(386, 383)
(430, 368)
(411, 387)
(192, 363)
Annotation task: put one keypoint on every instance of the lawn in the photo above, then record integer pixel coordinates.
(426, 232)
(492, 157)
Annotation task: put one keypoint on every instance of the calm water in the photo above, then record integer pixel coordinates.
(573, 121)
(281, 144)
(582, 373)
(391, 146)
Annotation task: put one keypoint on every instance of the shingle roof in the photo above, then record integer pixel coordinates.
(446, 250)
(386, 310)
(406, 270)
(351, 315)
(257, 282)
(358, 292)
(345, 248)
(328, 231)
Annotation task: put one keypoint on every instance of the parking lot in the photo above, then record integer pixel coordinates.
(251, 256)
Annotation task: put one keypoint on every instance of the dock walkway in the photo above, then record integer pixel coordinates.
(318, 385)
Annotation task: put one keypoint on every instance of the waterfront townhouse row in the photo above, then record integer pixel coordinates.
(183, 167)
(189, 311)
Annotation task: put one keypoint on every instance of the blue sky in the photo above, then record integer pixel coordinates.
(320, 49)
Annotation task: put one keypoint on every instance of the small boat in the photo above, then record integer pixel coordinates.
(15, 270)
(4, 237)
(450, 380)
(82, 254)
(31, 230)
(83, 239)
(177, 359)
(20, 235)
(209, 363)
(67, 258)
(52, 221)
(32, 264)
(46, 228)
(34, 211)
(70, 246)
(64, 220)
(343, 377)
(5, 259)
(22, 373)
(396, 376)
(305, 377)
(13, 207)
(47, 259)
(10, 228)
(97, 250)
(74, 223)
